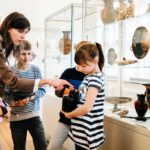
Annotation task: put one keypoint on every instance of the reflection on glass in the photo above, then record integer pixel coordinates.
(148, 9)
(140, 42)
(65, 43)
(111, 56)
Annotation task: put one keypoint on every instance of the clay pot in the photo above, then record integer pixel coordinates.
(141, 105)
(111, 56)
(140, 42)
(108, 13)
(148, 96)
(70, 101)
(130, 9)
(65, 43)
(121, 10)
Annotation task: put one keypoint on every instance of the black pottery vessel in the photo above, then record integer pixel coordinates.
(141, 105)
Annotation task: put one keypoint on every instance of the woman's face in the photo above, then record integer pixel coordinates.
(17, 35)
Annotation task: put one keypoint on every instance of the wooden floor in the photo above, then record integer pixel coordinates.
(5, 138)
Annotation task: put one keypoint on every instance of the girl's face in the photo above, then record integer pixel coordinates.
(24, 57)
(17, 35)
(88, 68)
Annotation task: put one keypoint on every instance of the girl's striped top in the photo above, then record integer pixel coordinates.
(87, 130)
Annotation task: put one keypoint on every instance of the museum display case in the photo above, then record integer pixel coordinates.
(124, 65)
(63, 30)
(125, 42)
(60, 29)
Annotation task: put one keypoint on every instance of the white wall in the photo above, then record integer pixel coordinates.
(35, 10)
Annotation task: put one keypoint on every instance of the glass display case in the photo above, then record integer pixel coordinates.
(63, 30)
(125, 41)
(60, 30)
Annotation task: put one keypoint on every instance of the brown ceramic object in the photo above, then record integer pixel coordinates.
(65, 43)
(140, 42)
(141, 105)
(108, 13)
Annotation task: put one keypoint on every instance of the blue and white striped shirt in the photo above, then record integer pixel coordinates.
(32, 108)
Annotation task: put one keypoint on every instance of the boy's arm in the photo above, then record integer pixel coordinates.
(41, 91)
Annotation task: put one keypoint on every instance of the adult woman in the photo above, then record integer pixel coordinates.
(12, 33)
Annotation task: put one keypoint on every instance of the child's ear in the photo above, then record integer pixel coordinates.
(96, 59)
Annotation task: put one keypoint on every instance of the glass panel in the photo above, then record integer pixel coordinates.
(63, 30)
(116, 35)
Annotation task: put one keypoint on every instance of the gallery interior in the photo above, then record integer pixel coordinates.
(122, 27)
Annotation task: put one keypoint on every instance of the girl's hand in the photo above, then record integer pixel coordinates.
(59, 84)
(66, 114)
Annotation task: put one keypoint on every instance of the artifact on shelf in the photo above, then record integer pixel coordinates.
(111, 56)
(108, 13)
(147, 93)
(130, 9)
(126, 61)
(148, 9)
(141, 106)
(123, 113)
(121, 11)
(148, 96)
(65, 43)
(140, 42)
(117, 100)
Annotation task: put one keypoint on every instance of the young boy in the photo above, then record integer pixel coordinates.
(27, 110)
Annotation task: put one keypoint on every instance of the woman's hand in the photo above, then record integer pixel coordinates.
(5, 110)
(59, 84)
(7, 115)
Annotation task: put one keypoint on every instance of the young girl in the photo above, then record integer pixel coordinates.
(87, 119)
(75, 77)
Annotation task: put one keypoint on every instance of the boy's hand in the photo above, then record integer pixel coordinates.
(21, 102)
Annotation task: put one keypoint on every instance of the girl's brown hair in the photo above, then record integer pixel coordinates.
(87, 52)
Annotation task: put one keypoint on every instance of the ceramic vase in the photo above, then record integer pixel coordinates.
(148, 96)
(108, 13)
(130, 9)
(141, 105)
(121, 10)
(65, 43)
